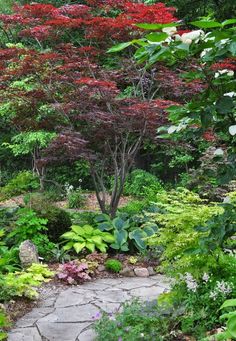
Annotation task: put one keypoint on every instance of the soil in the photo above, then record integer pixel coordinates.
(90, 205)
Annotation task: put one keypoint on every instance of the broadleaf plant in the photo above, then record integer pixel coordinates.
(87, 237)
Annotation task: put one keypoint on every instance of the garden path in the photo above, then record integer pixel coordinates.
(68, 314)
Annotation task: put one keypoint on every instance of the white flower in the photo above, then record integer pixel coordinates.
(224, 287)
(213, 295)
(205, 277)
(189, 37)
(225, 71)
(205, 51)
(190, 282)
(169, 30)
(230, 94)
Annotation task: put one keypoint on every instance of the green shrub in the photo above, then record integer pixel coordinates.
(9, 260)
(178, 212)
(113, 265)
(134, 207)
(25, 181)
(4, 323)
(23, 283)
(138, 321)
(76, 199)
(58, 220)
(27, 226)
(83, 218)
(142, 184)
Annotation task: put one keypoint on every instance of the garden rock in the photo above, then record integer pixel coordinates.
(141, 272)
(28, 254)
(151, 271)
(127, 272)
(101, 268)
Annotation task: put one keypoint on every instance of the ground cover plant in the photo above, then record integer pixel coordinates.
(117, 149)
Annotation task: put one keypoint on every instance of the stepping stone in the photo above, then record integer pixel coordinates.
(26, 334)
(68, 315)
(60, 331)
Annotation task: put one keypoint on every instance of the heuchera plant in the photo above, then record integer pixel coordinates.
(73, 273)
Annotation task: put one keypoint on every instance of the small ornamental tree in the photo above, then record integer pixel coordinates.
(53, 79)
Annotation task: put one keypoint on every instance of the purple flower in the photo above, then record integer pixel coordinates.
(120, 339)
(97, 316)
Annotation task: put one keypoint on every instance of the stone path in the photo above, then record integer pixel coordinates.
(67, 315)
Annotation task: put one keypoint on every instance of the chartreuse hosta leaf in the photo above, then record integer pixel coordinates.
(87, 237)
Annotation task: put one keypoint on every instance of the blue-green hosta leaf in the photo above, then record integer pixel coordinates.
(105, 226)
(120, 237)
(102, 217)
(119, 223)
(149, 231)
(125, 247)
(138, 235)
(79, 246)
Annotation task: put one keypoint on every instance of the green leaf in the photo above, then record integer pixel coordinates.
(89, 230)
(146, 26)
(120, 47)
(97, 239)
(78, 229)
(156, 37)
(206, 24)
(119, 223)
(121, 237)
(105, 226)
(231, 326)
(102, 217)
(229, 22)
(79, 246)
(102, 248)
(138, 235)
(68, 246)
(224, 105)
(108, 238)
(69, 235)
(229, 303)
(90, 246)
(232, 48)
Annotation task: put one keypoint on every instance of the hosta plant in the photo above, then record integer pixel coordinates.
(87, 237)
(74, 272)
(127, 232)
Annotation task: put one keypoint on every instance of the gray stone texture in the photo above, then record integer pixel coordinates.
(68, 315)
